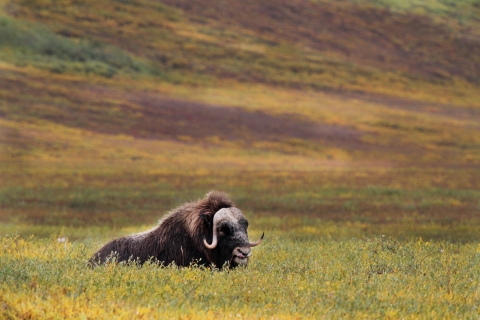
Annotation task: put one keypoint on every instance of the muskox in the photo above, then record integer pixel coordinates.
(209, 232)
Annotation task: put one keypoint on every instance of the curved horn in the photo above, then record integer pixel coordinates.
(256, 243)
(214, 240)
(219, 215)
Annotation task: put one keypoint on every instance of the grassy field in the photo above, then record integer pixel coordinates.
(347, 131)
(381, 277)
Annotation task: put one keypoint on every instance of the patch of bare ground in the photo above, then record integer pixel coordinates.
(199, 120)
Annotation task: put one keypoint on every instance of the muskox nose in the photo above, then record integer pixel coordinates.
(242, 251)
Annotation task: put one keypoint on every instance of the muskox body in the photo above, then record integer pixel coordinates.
(210, 231)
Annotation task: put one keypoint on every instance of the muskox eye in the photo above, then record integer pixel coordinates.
(244, 224)
(224, 229)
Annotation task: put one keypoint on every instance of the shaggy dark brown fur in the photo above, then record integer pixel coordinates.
(178, 238)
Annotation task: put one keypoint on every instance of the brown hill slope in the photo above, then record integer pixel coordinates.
(366, 35)
(295, 44)
(364, 127)
(303, 76)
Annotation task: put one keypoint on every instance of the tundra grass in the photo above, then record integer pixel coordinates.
(288, 277)
(432, 203)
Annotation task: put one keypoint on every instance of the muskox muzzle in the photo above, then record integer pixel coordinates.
(240, 255)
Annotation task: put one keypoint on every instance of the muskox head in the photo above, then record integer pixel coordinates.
(230, 237)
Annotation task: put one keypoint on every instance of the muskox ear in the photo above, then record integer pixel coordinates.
(207, 219)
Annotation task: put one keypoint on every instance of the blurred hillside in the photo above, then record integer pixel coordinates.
(350, 80)
(114, 111)
(345, 80)
(299, 44)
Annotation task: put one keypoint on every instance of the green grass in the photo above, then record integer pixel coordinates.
(25, 43)
(379, 277)
(434, 204)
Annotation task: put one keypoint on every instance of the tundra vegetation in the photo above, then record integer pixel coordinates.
(348, 131)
